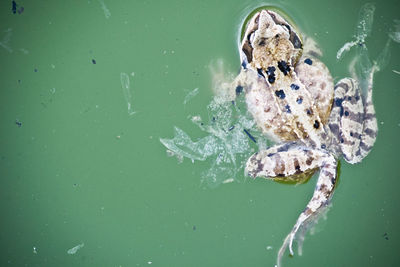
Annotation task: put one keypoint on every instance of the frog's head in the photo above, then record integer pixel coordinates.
(269, 38)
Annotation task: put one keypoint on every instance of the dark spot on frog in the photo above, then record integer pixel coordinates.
(309, 111)
(280, 94)
(309, 161)
(338, 102)
(271, 154)
(287, 107)
(349, 98)
(250, 136)
(316, 124)
(333, 180)
(323, 146)
(239, 89)
(260, 168)
(284, 67)
(294, 86)
(351, 133)
(341, 140)
(244, 65)
(259, 71)
(346, 113)
(271, 79)
(93, 61)
(308, 61)
(231, 128)
(299, 100)
(271, 74)
(280, 175)
(271, 70)
(357, 98)
(17, 122)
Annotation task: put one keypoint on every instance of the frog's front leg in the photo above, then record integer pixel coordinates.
(353, 121)
(290, 159)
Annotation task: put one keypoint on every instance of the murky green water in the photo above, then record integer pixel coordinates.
(81, 161)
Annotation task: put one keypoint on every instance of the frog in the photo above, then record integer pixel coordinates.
(292, 98)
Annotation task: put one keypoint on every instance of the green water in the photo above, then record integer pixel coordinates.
(81, 169)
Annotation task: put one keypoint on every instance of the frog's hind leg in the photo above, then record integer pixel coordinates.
(353, 121)
(291, 159)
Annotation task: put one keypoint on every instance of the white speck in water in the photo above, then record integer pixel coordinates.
(75, 249)
(396, 71)
(34, 250)
(149, 262)
(269, 247)
(196, 118)
(53, 90)
(53, 66)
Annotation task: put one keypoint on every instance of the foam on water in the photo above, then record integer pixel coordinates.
(226, 146)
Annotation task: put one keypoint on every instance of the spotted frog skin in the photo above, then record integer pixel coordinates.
(292, 98)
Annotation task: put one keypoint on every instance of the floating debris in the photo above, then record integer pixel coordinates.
(396, 71)
(365, 20)
(395, 33)
(225, 148)
(14, 7)
(385, 235)
(190, 95)
(125, 83)
(93, 61)
(107, 12)
(6, 39)
(227, 181)
(75, 249)
(250, 136)
(17, 122)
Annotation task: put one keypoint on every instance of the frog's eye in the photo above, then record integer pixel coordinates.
(251, 37)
